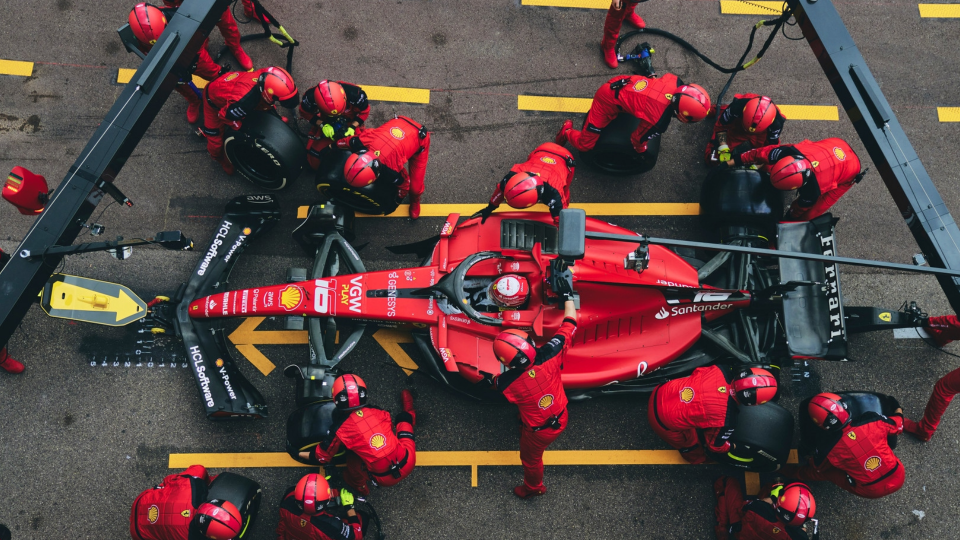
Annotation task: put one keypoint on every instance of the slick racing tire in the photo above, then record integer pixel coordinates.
(266, 151)
(739, 197)
(377, 199)
(244, 493)
(763, 438)
(614, 153)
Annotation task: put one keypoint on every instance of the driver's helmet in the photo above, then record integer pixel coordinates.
(219, 520)
(522, 190)
(312, 493)
(754, 386)
(693, 103)
(147, 23)
(758, 114)
(361, 169)
(789, 173)
(509, 290)
(795, 505)
(513, 348)
(330, 98)
(277, 85)
(349, 392)
(828, 410)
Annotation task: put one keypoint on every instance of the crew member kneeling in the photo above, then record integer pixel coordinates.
(705, 403)
(778, 516)
(749, 121)
(305, 514)
(336, 110)
(367, 433)
(545, 177)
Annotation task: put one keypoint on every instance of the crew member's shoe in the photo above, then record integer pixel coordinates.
(610, 56)
(406, 398)
(243, 59)
(193, 111)
(561, 137)
(635, 21)
(8, 364)
(913, 428)
(524, 492)
(414, 207)
(227, 166)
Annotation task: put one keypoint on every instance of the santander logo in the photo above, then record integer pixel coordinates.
(662, 314)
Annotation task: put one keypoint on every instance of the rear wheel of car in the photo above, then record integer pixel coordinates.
(266, 151)
(614, 153)
(244, 493)
(763, 438)
(378, 198)
(740, 197)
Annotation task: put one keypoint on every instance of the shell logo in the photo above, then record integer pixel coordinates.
(232, 76)
(219, 362)
(686, 395)
(378, 441)
(247, 231)
(397, 133)
(532, 373)
(291, 297)
(548, 160)
(839, 153)
(872, 463)
(153, 514)
(852, 436)
(641, 84)
(546, 401)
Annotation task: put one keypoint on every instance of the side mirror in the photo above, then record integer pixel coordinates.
(572, 234)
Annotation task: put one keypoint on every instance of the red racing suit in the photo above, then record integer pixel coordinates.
(943, 329)
(836, 168)
(537, 391)
(295, 525)
(696, 411)
(554, 165)
(739, 140)
(857, 458)
(650, 100)
(614, 21)
(357, 111)
(398, 142)
(227, 25)
(166, 511)
(373, 447)
(229, 99)
(748, 519)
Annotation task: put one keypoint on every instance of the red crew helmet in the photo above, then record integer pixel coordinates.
(512, 347)
(828, 411)
(349, 392)
(312, 492)
(25, 190)
(147, 23)
(219, 520)
(693, 103)
(361, 169)
(277, 85)
(758, 114)
(330, 98)
(795, 505)
(509, 290)
(754, 386)
(790, 172)
(522, 190)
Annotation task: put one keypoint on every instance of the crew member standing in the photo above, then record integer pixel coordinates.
(821, 171)
(304, 514)
(704, 405)
(544, 178)
(532, 383)
(367, 433)
(620, 11)
(399, 144)
(749, 121)
(943, 330)
(231, 34)
(778, 516)
(336, 110)
(854, 453)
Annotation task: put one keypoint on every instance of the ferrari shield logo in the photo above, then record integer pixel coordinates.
(153, 514)
(722, 389)
(185, 513)
(532, 373)
(885, 316)
(378, 441)
(852, 436)
(303, 523)
(686, 395)
(776, 530)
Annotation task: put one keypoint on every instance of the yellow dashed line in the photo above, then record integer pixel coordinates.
(397, 93)
(741, 7)
(810, 112)
(593, 209)
(586, 4)
(124, 75)
(14, 67)
(948, 114)
(553, 104)
(940, 11)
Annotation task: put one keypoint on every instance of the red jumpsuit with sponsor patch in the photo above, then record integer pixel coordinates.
(554, 165)
(166, 512)
(399, 142)
(537, 391)
(231, 34)
(229, 99)
(357, 112)
(373, 448)
(295, 525)
(650, 100)
(683, 410)
(836, 169)
(748, 519)
(943, 330)
(857, 458)
(739, 140)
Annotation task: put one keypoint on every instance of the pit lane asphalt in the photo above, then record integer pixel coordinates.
(78, 443)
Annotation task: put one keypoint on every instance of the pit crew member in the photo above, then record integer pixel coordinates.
(545, 177)
(703, 407)
(620, 11)
(177, 509)
(305, 512)
(232, 96)
(381, 154)
(231, 34)
(336, 110)
(368, 435)
(749, 121)
(821, 171)
(943, 330)
(853, 453)
(653, 100)
(780, 515)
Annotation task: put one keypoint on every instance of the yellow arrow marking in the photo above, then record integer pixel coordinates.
(246, 336)
(390, 340)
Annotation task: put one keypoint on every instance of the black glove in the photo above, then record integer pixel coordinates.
(485, 213)
(892, 403)
(357, 146)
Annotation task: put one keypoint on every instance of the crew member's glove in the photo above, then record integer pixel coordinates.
(354, 144)
(346, 498)
(723, 153)
(485, 213)
(328, 131)
(349, 132)
(775, 491)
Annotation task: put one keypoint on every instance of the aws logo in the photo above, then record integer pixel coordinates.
(546, 401)
(378, 441)
(686, 395)
(872, 463)
(839, 153)
(397, 133)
